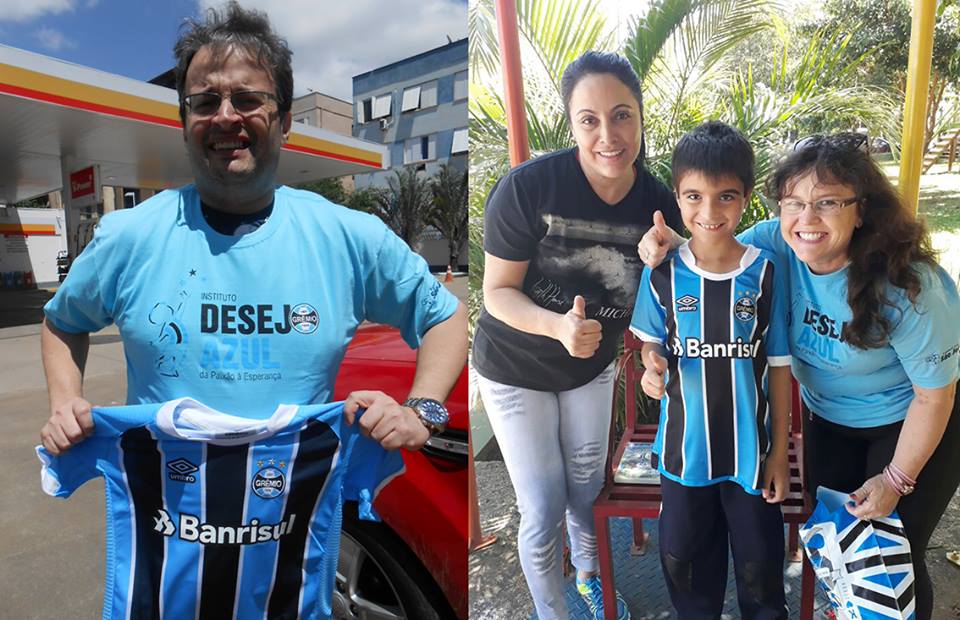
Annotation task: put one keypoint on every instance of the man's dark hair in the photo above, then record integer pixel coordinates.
(591, 63)
(715, 150)
(234, 26)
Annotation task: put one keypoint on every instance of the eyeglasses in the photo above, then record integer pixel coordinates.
(244, 102)
(827, 206)
(845, 140)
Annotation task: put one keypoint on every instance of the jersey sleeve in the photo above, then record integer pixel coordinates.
(80, 305)
(399, 290)
(649, 319)
(927, 335)
(511, 225)
(766, 236)
(777, 339)
(61, 475)
(369, 469)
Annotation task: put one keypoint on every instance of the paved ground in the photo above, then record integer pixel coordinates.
(52, 550)
(498, 590)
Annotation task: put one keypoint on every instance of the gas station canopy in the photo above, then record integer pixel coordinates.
(56, 117)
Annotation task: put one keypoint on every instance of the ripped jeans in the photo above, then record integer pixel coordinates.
(554, 445)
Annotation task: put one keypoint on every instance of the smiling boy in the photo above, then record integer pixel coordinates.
(712, 318)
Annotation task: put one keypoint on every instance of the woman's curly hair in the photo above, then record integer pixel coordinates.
(889, 245)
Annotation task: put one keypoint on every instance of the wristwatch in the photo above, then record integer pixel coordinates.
(431, 412)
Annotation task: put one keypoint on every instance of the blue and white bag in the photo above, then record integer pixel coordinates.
(864, 567)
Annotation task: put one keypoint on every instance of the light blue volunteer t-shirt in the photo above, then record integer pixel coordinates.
(248, 322)
(871, 387)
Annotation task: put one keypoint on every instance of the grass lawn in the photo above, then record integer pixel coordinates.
(940, 207)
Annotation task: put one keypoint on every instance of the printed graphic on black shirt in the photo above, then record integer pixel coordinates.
(595, 259)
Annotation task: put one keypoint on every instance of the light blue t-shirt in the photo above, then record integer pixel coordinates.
(722, 332)
(215, 515)
(871, 387)
(244, 323)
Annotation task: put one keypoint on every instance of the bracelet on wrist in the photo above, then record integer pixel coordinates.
(899, 482)
(901, 475)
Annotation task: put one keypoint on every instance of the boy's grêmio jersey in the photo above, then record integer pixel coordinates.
(721, 332)
(211, 515)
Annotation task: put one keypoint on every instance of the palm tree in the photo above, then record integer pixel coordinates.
(405, 206)
(449, 214)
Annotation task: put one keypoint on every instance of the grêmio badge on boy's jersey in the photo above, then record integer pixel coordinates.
(212, 515)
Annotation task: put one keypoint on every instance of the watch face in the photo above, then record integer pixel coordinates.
(433, 412)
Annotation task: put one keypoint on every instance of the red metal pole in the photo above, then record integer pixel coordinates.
(519, 145)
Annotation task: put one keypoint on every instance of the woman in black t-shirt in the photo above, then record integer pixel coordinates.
(560, 279)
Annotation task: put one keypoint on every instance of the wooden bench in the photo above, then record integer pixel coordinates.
(642, 500)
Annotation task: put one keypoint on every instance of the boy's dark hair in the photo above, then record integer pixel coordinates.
(591, 63)
(246, 29)
(714, 149)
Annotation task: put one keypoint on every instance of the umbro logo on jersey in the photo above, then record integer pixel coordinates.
(192, 530)
(687, 303)
(181, 470)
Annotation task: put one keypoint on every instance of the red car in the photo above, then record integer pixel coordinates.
(413, 565)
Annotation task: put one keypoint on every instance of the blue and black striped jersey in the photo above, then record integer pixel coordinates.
(721, 332)
(215, 516)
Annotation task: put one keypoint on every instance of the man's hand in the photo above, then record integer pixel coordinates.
(776, 477)
(652, 380)
(874, 499)
(386, 421)
(656, 242)
(69, 424)
(579, 335)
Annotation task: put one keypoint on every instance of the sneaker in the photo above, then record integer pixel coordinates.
(592, 593)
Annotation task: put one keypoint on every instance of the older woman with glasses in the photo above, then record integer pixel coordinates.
(874, 337)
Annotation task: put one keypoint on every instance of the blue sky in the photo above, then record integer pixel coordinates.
(332, 40)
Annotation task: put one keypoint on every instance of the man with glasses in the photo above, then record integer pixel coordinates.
(235, 291)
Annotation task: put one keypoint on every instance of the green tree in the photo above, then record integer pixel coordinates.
(361, 199)
(449, 213)
(880, 31)
(405, 206)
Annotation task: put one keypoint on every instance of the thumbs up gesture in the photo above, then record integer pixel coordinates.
(652, 381)
(579, 335)
(656, 242)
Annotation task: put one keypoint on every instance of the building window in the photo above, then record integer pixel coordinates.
(381, 105)
(411, 99)
(365, 110)
(421, 148)
(428, 94)
(460, 85)
(460, 141)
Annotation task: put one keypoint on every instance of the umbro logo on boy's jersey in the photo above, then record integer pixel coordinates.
(687, 303)
(192, 530)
